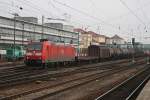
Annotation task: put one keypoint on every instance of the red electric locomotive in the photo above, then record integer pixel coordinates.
(45, 52)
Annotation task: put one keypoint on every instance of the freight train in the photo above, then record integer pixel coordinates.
(46, 52)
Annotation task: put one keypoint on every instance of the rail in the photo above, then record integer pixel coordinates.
(127, 89)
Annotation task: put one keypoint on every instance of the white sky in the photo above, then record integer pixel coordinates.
(102, 16)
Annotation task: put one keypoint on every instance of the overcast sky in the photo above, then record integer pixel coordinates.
(127, 18)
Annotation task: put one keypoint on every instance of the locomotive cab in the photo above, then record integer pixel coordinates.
(34, 53)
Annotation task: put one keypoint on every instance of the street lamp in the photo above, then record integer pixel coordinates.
(42, 27)
(15, 15)
(23, 33)
(133, 44)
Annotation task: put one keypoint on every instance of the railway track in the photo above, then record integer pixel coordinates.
(57, 88)
(12, 69)
(10, 65)
(19, 75)
(16, 68)
(50, 93)
(128, 89)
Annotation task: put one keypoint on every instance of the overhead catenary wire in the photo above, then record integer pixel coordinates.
(79, 11)
(60, 10)
(132, 12)
(94, 6)
(126, 14)
(81, 22)
(84, 12)
(100, 21)
(30, 4)
(143, 12)
(25, 10)
(51, 3)
(36, 6)
(34, 10)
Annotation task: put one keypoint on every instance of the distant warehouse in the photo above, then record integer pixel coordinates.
(27, 29)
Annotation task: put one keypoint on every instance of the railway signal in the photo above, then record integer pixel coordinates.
(147, 52)
(133, 43)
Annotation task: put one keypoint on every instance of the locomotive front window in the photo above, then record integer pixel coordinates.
(35, 46)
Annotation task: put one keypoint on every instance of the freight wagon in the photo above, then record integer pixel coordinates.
(104, 52)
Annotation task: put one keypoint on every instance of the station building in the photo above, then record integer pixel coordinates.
(26, 29)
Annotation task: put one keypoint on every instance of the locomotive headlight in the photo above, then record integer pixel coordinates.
(38, 54)
(29, 54)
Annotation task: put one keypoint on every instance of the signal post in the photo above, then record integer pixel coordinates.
(148, 56)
